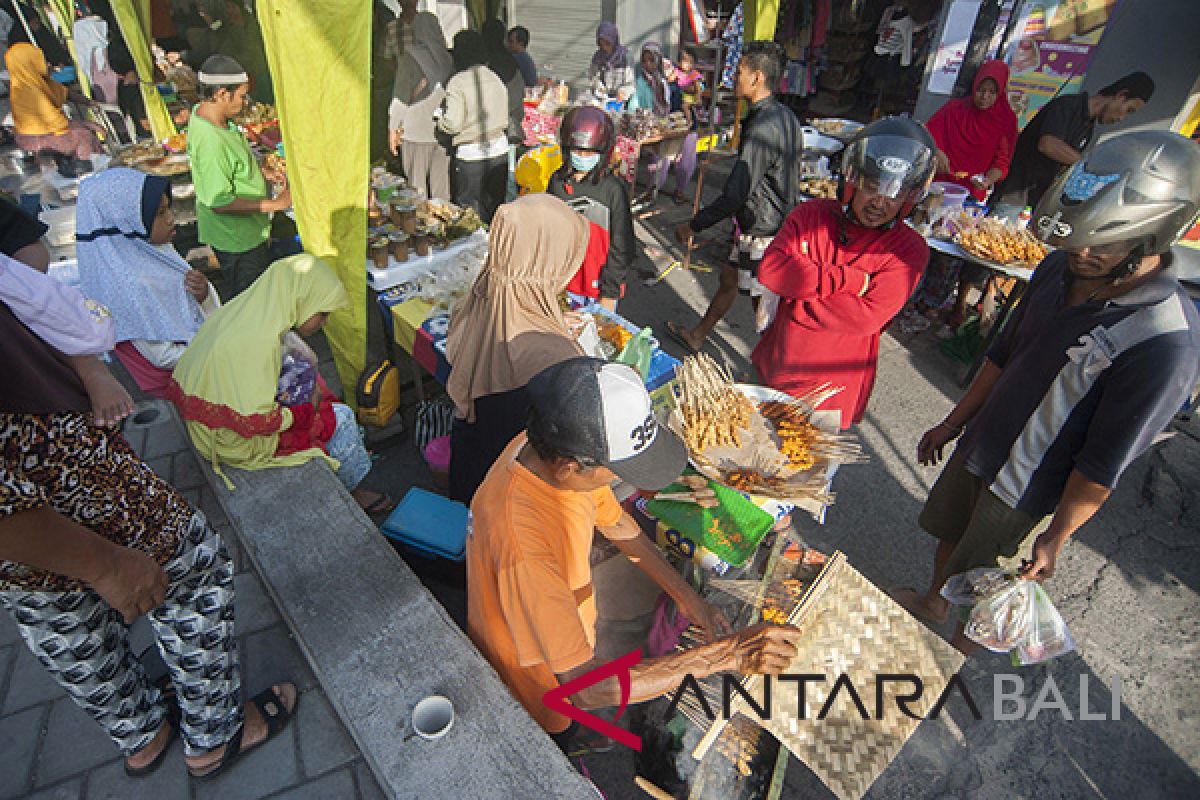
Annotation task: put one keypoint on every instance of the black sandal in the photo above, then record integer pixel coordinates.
(274, 714)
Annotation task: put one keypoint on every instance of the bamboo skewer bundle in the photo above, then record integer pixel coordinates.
(714, 412)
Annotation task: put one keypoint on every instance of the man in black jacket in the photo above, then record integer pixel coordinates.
(761, 190)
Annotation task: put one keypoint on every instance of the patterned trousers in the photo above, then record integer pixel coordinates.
(84, 644)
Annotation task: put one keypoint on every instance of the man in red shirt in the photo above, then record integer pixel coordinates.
(842, 270)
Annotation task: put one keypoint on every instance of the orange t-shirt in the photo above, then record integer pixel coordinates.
(530, 605)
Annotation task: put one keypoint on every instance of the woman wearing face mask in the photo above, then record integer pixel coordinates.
(587, 136)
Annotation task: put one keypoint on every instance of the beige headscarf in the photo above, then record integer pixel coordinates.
(510, 326)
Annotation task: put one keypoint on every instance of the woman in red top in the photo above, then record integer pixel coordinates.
(975, 135)
(843, 271)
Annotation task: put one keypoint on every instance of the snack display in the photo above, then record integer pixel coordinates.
(613, 333)
(140, 153)
(714, 411)
(176, 143)
(796, 434)
(837, 127)
(1002, 243)
(273, 162)
(820, 187)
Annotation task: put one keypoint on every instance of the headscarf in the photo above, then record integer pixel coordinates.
(224, 385)
(140, 283)
(36, 100)
(499, 60)
(510, 327)
(429, 49)
(657, 81)
(976, 140)
(619, 55)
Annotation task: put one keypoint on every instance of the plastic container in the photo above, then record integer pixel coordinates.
(430, 525)
(953, 195)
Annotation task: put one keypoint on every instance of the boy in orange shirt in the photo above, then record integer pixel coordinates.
(530, 604)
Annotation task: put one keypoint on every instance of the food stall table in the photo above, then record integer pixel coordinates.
(1022, 275)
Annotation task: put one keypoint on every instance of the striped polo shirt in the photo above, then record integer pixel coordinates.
(1085, 387)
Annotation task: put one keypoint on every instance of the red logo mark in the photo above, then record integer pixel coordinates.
(556, 699)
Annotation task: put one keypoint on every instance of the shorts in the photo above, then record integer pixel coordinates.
(745, 256)
(986, 532)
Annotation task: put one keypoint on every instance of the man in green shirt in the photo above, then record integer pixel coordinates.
(233, 204)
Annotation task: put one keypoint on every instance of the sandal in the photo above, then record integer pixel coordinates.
(172, 719)
(276, 717)
(382, 505)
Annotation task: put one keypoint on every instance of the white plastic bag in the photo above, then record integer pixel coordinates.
(1010, 614)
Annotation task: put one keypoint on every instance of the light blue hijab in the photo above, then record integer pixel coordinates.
(140, 283)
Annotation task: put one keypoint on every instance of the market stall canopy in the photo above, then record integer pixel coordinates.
(133, 17)
(319, 56)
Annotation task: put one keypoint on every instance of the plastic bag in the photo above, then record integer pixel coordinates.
(1010, 614)
(638, 352)
(298, 371)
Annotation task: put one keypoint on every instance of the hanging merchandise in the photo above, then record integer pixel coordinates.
(896, 35)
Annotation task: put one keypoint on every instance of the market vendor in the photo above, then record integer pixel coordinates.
(610, 73)
(587, 137)
(975, 136)
(233, 204)
(843, 269)
(1057, 136)
(655, 92)
(1097, 359)
(531, 607)
(761, 189)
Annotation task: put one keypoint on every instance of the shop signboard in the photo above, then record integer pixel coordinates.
(1052, 44)
(952, 49)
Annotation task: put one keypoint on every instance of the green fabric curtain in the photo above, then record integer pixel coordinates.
(133, 17)
(319, 55)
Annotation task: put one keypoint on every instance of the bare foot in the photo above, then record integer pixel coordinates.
(142, 758)
(254, 731)
(935, 610)
(688, 338)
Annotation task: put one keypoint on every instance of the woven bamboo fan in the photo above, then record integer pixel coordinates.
(851, 628)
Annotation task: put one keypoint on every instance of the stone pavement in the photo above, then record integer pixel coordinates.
(49, 748)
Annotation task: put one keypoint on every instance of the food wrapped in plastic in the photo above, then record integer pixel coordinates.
(1010, 614)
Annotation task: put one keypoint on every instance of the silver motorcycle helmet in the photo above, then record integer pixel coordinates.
(1142, 188)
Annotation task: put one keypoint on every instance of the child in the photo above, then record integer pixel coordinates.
(690, 84)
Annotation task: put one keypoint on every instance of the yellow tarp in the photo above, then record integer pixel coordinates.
(133, 17)
(319, 55)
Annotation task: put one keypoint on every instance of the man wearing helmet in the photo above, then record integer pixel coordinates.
(842, 269)
(1098, 357)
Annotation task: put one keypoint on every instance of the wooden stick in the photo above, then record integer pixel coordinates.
(650, 789)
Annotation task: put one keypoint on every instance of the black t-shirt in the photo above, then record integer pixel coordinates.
(1031, 172)
(17, 229)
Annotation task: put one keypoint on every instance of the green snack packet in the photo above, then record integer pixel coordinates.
(732, 530)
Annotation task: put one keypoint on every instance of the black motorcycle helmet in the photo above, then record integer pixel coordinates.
(896, 155)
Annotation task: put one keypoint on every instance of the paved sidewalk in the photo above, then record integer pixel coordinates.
(49, 748)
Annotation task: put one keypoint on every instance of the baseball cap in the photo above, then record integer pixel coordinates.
(600, 411)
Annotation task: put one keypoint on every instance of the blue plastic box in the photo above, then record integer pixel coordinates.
(429, 524)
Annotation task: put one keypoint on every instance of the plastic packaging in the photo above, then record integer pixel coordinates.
(639, 352)
(298, 371)
(1010, 614)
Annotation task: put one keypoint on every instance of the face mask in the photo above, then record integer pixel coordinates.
(584, 162)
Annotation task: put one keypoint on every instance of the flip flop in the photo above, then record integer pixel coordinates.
(274, 714)
(676, 335)
(382, 505)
